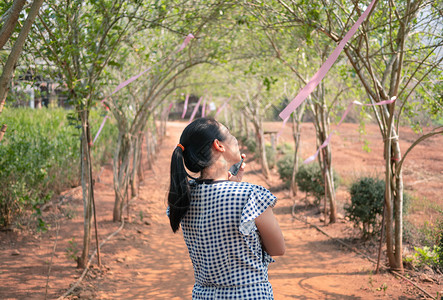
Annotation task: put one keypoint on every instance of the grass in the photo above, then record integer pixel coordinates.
(422, 204)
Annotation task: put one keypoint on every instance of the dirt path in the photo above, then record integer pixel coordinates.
(150, 262)
(147, 261)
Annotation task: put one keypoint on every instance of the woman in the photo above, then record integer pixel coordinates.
(228, 225)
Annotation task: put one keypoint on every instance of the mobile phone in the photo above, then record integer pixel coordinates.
(235, 168)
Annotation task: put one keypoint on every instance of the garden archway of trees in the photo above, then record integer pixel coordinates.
(91, 46)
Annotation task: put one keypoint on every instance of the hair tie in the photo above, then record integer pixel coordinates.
(181, 146)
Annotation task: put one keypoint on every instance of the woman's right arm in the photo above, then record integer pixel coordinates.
(270, 233)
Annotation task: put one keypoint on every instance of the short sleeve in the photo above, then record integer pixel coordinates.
(259, 200)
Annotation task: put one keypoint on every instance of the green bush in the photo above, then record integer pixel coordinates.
(285, 148)
(367, 199)
(248, 142)
(40, 156)
(429, 244)
(271, 155)
(251, 144)
(432, 237)
(309, 179)
(427, 256)
(285, 167)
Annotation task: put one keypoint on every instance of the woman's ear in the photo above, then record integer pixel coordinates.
(218, 146)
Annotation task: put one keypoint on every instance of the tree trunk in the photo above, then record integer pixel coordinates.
(140, 174)
(321, 123)
(240, 129)
(231, 123)
(261, 145)
(327, 163)
(296, 122)
(235, 123)
(398, 206)
(164, 117)
(135, 165)
(13, 56)
(3, 131)
(11, 21)
(93, 207)
(87, 191)
(245, 126)
(149, 148)
(329, 185)
(121, 174)
(393, 197)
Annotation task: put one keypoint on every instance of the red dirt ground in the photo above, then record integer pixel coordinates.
(147, 261)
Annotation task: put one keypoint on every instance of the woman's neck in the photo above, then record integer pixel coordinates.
(217, 171)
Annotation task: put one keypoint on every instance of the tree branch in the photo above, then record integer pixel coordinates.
(11, 20)
(419, 140)
(9, 67)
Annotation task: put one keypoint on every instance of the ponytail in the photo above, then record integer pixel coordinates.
(179, 190)
(194, 151)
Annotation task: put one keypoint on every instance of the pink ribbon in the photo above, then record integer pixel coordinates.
(186, 42)
(282, 127)
(185, 106)
(100, 129)
(328, 139)
(204, 108)
(128, 81)
(195, 109)
(221, 107)
(315, 80)
(167, 110)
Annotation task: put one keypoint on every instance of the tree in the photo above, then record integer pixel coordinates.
(11, 17)
(392, 55)
(164, 73)
(77, 41)
(300, 54)
(256, 107)
(247, 73)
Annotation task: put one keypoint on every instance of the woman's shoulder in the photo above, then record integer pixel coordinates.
(243, 185)
(248, 185)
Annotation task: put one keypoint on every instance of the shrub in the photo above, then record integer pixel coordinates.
(367, 199)
(285, 167)
(309, 179)
(427, 256)
(40, 156)
(270, 156)
(433, 238)
(285, 148)
(250, 143)
(430, 245)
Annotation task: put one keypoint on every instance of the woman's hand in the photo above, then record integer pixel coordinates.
(239, 175)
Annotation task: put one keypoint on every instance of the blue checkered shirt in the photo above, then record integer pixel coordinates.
(224, 243)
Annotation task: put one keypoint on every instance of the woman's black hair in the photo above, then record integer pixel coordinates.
(197, 139)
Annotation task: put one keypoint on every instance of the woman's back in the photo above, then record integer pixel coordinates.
(226, 224)
(223, 242)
